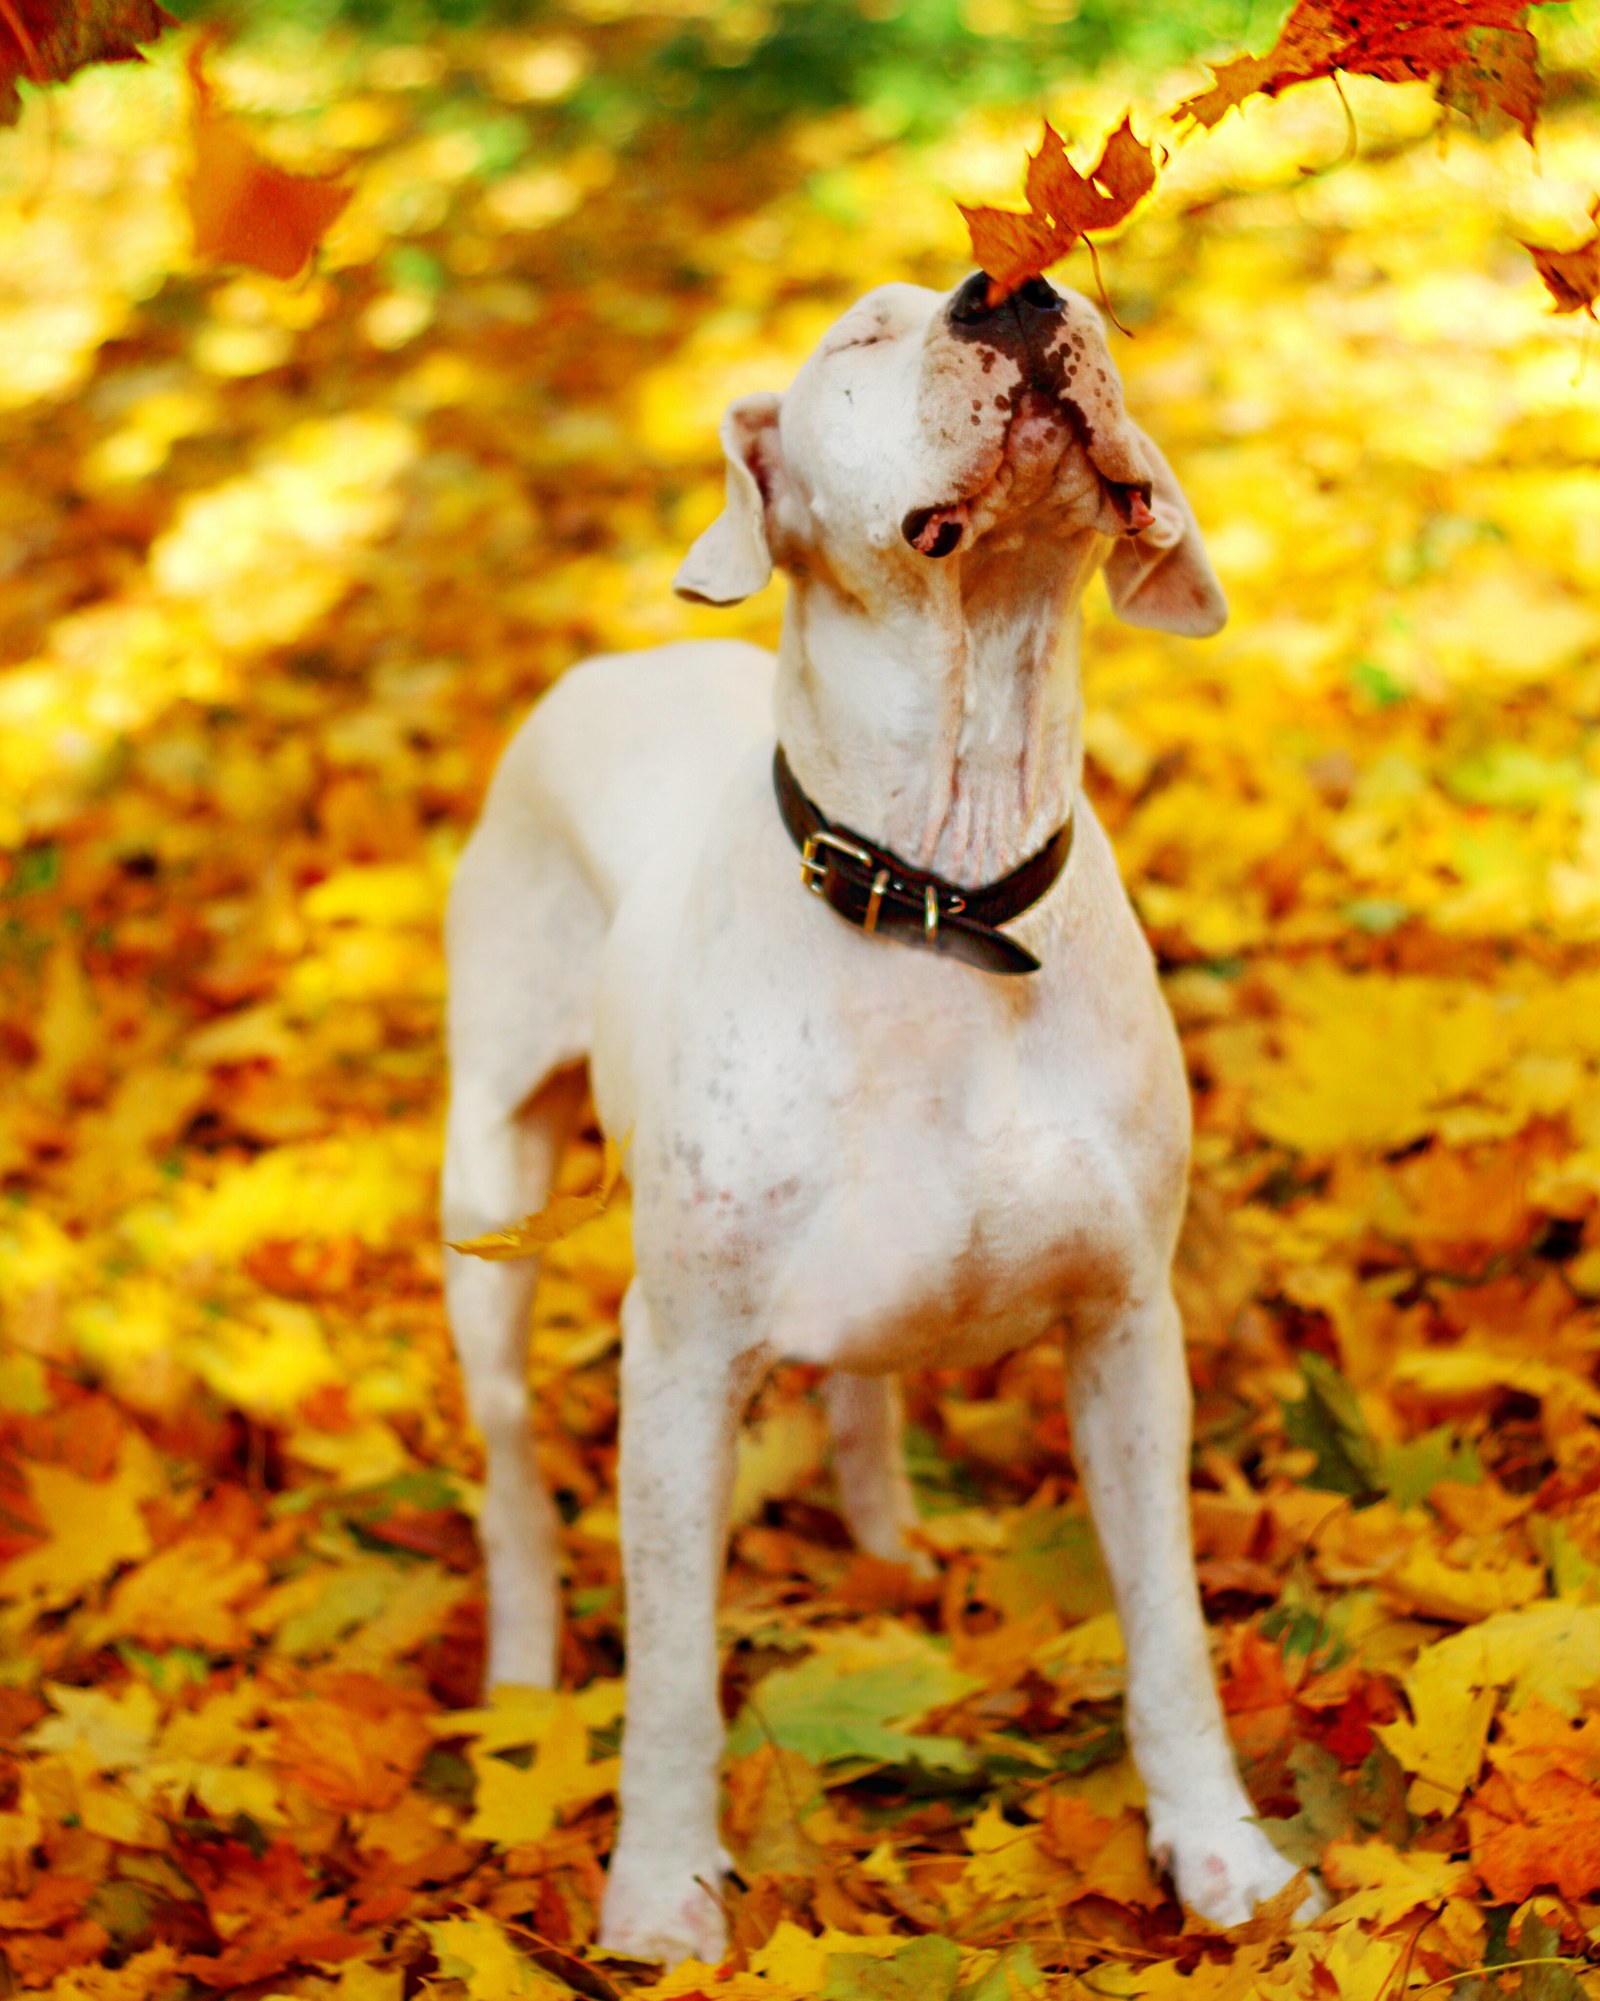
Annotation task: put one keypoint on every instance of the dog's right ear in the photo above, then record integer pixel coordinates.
(732, 559)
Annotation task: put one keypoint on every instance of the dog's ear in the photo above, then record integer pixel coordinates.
(732, 560)
(1163, 578)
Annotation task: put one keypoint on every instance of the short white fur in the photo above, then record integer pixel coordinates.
(844, 1150)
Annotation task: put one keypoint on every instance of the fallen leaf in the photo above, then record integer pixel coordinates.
(515, 1805)
(476, 1951)
(91, 1528)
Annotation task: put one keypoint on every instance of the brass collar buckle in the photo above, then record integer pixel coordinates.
(813, 873)
(887, 897)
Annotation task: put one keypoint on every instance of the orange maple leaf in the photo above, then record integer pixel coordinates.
(1063, 205)
(1478, 54)
(1572, 277)
(243, 209)
(1535, 1821)
(46, 40)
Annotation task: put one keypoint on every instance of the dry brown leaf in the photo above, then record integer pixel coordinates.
(1571, 277)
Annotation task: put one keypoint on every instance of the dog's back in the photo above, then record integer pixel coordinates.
(618, 769)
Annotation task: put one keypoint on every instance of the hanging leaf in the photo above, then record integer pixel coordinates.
(1478, 54)
(1063, 205)
(1572, 277)
(244, 210)
(45, 41)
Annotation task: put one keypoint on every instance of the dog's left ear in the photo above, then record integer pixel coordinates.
(1163, 578)
(732, 559)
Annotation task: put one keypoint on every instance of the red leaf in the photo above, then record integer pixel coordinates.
(1062, 206)
(1478, 54)
(245, 210)
(46, 40)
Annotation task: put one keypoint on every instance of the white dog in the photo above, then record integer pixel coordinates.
(846, 1150)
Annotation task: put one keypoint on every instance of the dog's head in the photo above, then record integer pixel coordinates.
(928, 427)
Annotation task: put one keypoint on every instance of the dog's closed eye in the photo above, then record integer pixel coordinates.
(874, 339)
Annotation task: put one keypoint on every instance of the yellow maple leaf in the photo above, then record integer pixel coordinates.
(1425, 1584)
(1368, 1061)
(1378, 1885)
(798, 1959)
(518, 1714)
(514, 1806)
(476, 1950)
(199, 1751)
(91, 1526)
(559, 1217)
(1551, 1650)
(110, 1729)
(183, 1596)
(137, 1979)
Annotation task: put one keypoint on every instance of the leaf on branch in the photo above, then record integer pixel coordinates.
(559, 1217)
(1572, 277)
(1478, 54)
(1063, 205)
(45, 41)
(243, 209)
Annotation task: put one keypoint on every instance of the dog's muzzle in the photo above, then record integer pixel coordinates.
(876, 891)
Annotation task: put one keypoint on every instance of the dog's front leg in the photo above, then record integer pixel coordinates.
(1128, 1393)
(682, 1395)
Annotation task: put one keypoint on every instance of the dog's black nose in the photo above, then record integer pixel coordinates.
(971, 302)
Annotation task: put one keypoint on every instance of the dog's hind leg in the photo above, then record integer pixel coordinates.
(875, 1496)
(682, 1396)
(524, 936)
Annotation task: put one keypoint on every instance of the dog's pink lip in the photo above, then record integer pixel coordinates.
(936, 531)
(1130, 504)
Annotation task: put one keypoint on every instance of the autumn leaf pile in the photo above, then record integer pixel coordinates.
(279, 568)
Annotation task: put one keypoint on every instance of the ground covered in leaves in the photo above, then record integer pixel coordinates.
(279, 568)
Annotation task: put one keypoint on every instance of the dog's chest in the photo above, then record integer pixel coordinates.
(973, 1197)
(888, 1181)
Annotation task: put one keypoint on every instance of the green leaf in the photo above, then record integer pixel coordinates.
(924, 1969)
(1328, 1422)
(827, 1715)
(1411, 1471)
(1016, 1967)
(1572, 1575)
(1508, 775)
(1327, 1811)
(1551, 1981)
(170, 1672)
(1054, 1560)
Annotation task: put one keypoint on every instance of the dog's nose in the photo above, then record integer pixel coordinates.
(971, 301)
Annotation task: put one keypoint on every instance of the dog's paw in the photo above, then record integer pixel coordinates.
(659, 1909)
(1224, 1867)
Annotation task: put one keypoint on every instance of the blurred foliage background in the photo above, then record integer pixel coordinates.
(280, 567)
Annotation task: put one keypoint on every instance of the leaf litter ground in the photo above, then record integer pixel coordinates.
(279, 567)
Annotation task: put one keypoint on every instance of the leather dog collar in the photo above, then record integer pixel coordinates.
(879, 893)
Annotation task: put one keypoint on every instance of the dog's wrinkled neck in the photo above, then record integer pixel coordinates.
(946, 727)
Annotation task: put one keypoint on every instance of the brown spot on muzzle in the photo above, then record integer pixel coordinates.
(1055, 340)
